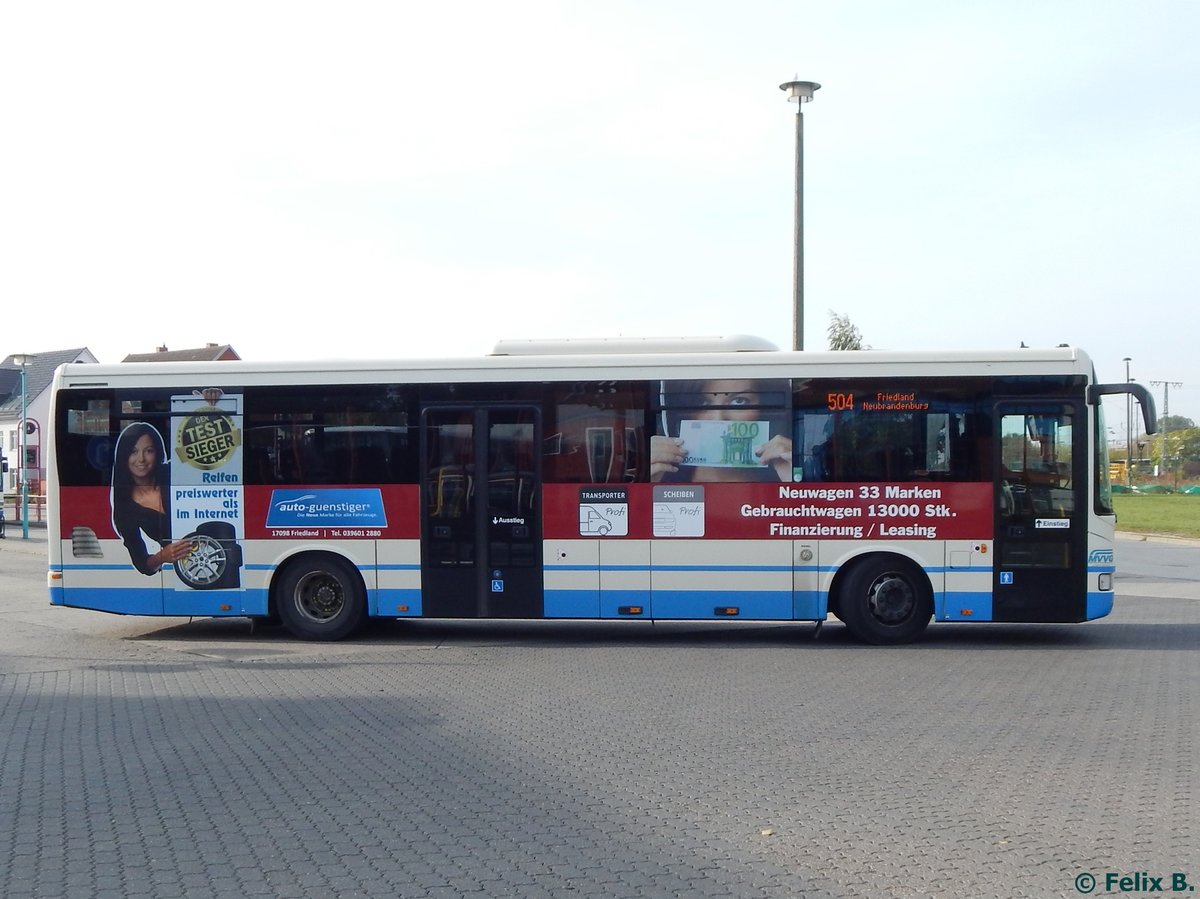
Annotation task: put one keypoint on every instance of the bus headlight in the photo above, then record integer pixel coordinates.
(1106, 582)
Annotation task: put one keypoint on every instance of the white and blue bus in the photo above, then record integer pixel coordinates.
(666, 480)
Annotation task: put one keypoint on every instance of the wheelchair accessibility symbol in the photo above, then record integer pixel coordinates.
(1006, 577)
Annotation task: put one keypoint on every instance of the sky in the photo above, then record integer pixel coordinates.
(397, 179)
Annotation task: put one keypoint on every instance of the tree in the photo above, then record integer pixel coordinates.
(1175, 423)
(1184, 445)
(843, 335)
(1181, 438)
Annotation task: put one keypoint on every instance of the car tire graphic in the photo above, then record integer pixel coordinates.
(214, 560)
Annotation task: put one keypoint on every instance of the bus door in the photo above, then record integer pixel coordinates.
(481, 529)
(1040, 570)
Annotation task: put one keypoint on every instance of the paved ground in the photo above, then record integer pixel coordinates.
(167, 758)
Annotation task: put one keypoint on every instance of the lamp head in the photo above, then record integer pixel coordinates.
(800, 91)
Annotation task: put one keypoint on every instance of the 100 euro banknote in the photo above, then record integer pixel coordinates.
(722, 444)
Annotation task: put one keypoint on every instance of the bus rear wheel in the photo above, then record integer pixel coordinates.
(320, 598)
(885, 599)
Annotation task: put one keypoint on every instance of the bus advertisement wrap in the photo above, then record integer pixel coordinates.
(206, 489)
(945, 511)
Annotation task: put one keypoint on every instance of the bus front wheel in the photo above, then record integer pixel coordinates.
(320, 598)
(885, 599)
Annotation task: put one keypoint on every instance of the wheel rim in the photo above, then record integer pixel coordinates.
(205, 563)
(891, 598)
(319, 597)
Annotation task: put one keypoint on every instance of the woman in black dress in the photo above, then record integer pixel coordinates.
(140, 499)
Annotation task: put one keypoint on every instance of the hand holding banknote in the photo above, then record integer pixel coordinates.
(716, 458)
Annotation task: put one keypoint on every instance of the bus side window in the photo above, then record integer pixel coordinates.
(813, 441)
(875, 445)
(595, 433)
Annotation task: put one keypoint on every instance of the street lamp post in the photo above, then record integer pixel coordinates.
(1166, 412)
(799, 92)
(23, 360)
(1128, 429)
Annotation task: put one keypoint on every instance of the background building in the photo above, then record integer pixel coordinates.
(210, 352)
(39, 372)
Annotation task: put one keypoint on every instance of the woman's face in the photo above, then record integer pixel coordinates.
(732, 395)
(143, 460)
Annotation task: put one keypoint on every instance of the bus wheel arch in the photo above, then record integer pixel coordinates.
(882, 598)
(319, 596)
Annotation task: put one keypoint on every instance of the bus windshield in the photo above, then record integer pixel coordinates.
(1104, 503)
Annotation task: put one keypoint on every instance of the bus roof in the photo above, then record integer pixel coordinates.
(736, 343)
(536, 366)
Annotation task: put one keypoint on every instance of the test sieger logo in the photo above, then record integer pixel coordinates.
(1140, 882)
(207, 439)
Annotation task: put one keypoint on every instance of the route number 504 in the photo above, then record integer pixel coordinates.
(839, 402)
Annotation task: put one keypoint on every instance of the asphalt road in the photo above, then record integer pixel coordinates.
(167, 757)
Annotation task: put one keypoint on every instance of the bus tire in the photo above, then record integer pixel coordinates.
(885, 599)
(320, 597)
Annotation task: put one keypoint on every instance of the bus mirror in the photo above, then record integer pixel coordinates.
(1145, 400)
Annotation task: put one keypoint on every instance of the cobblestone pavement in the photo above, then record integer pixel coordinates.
(161, 758)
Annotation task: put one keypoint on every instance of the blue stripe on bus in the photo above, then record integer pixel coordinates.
(612, 601)
(722, 568)
(808, 605)
(677, 568)
(207, 603)
(570, 603)
(255, 601)
(804, 569)
(122, 600)
(414, 566)
(385, 602)
(157, 601)
(773, 605)
(752, 604)
(598, 567)
(963, 605)
(1099, 604)
(97, 566)
(680, 568)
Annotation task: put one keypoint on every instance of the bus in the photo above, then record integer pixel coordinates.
(682, 479)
